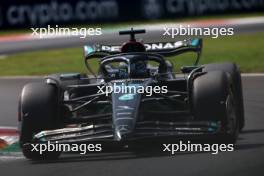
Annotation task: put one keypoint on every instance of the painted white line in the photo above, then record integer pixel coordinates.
(11, 157)
(252, 74)
(22, 77)
(248, 20)
(8, 127)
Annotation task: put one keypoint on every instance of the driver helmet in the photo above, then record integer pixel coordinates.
(139, 69)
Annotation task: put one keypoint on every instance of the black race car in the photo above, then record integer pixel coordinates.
(202, 101)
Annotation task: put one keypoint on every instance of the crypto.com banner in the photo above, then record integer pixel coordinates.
(39, 13)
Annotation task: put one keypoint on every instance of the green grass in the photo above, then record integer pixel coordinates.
(246, 50)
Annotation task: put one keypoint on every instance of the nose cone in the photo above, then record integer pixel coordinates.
(125, 112)
(122, 133)
(125, 107)
(124, 120)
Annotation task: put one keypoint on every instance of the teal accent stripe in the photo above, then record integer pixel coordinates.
(195, 42)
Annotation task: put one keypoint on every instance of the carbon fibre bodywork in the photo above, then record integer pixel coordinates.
(87, 115)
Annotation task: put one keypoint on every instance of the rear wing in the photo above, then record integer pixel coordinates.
(163, 48)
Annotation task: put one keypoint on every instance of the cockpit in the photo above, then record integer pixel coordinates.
(132, 65)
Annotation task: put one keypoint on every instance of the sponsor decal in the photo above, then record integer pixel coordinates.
(201, 7)
(164, 46)
(42, 13)
(126, 97)
(149, 46)
(123, 128)
(152, 9)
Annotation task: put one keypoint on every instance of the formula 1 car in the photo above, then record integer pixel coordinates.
(201, 101)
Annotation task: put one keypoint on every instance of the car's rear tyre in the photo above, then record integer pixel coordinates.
(234, 72)
(38, 110)
(212, 100)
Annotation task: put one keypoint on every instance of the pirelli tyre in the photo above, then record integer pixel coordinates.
(213, 100)
(233, 71)
(38, 110)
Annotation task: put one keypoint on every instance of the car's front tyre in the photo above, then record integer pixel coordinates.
(38, 110)
(213, 100)
(232, 70)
